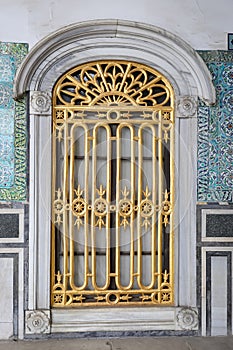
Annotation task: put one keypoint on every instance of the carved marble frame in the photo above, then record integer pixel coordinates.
(183, 67)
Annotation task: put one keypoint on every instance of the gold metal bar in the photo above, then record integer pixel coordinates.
(160, 199)
(132, 199)
(86, 172)
(139, 229)
(118, 189)
(154, 197)
(86, 196)
(172, 199)
(71, 195)
(65, 197)
(153, 223)
(134, 121)
(98, 108)
(93, 229)
(132, 215)
(54, 165)
(108, 197)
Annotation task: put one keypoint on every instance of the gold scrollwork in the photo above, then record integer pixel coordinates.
(60, 114)
(166, 127)
(125, 207)
(146, 208)
(166, 115)
(79, 206)
(58, 207)
(62, 297)
(166, 208)
(108, 83)
(100, 207)
(58, 290)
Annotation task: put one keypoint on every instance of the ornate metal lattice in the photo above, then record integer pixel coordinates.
(107, 83)
(113, 194)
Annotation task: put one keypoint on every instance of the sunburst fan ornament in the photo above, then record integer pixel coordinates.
(112, 83)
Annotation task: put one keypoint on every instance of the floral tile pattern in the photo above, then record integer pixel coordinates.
(215, 132)
(13, 133)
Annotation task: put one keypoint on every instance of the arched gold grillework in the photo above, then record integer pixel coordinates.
(113, 82)
(106, 100)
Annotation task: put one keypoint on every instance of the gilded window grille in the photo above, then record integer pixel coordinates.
(113, 187)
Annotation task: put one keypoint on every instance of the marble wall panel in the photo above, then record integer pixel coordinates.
(6, 300)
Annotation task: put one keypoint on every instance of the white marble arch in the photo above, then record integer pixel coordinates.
(190, 78)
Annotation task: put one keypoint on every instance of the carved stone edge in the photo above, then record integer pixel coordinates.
(37, 321)
(40, 103)
(186, 106)
(187, 318)
(133, 36)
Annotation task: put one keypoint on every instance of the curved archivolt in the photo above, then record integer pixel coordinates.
(108, 83)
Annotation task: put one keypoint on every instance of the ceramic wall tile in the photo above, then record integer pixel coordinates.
(215, 132)
(13, 133)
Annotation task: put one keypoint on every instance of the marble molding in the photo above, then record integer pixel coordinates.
(187, 318)
(40, 103)
(102, 39)
(37, 322)
(12, 292)
(186, 106)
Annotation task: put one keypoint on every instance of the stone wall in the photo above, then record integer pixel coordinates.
(215, 196)
(13, 193)
(214, 209)
(203, 24)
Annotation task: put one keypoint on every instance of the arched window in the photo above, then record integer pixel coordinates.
(137, 113)
(113, 192)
